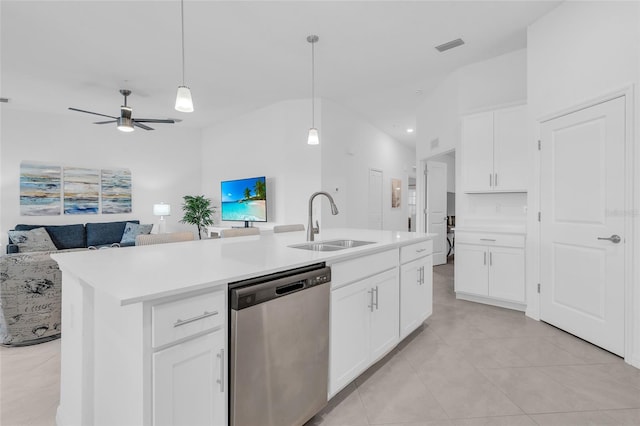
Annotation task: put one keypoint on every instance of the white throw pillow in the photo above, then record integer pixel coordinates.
(37, 239)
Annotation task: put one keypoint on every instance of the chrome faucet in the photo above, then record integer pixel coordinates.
(311, 230)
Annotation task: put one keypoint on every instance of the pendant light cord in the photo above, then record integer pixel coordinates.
(182, 18)
(313, 84)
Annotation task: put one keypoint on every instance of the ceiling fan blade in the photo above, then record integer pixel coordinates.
(142, 126)
(154, 120)
(94, 113)
(105, 122)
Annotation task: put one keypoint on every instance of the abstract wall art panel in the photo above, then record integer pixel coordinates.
(40, 190)
(116, 191)
(81, 190)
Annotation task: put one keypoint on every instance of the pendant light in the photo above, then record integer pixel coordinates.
(184, 103)
(314, 138)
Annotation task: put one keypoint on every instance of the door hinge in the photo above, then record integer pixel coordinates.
(539, 216)
(538, 287)
(539, 145)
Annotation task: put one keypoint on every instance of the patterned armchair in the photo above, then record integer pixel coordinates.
(30, 298)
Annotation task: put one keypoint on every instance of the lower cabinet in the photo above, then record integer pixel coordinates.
(416, 294)
(189, 382)
(364, 326)
(492, 267)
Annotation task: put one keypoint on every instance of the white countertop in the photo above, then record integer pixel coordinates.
(136, 274)
(495, 229)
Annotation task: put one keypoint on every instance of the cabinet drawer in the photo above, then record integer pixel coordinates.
(352, 270)
(178, 319)
(415, 251)
(488, 239)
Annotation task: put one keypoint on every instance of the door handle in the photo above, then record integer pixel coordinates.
(495, 180)
(490, 258)
(485, 257)
(490, 180)
(376, 297)
(221, 379)
(615, 239)
(370, 300)
(419, 275)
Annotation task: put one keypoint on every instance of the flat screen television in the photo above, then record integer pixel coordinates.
(244, 200)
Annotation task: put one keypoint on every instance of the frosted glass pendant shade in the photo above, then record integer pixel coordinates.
(313, 139)
(184, 103)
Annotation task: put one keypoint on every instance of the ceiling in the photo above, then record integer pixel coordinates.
(376, 58)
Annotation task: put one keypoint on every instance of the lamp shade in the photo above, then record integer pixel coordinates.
(313, 139)
(162, 209)
(184, 103)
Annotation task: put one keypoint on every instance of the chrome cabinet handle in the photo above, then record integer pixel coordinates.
(420, 250)
(495, 180)
(419, 275)
(485, 257)
(615, 239)
(376, 297)
(490, 258)
(490, 180)
(221, 379)
(370, 306)
(487, 239)
(206, 314)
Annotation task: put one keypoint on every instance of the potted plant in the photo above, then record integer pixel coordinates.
(198, 211)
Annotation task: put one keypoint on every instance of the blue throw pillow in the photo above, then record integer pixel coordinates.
(131, 231)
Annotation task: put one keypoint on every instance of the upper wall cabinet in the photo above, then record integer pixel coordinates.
(494, 151)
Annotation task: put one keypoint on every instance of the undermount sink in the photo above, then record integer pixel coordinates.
(332, 245)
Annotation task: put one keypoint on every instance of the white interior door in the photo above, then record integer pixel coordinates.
(582, 188)
(375, 199)
(437, 209)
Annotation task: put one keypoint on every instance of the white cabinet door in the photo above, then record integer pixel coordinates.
(416, 294)
(350, 323)
(189, 382)
(506, 273)
(477, 153)
(510, 150)
(384, 315)
(471, 270)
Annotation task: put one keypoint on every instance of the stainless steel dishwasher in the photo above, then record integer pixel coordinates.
(279, 347)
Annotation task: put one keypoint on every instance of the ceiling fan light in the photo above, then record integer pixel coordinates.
(125, 124)
(314, 138)
(184, 103)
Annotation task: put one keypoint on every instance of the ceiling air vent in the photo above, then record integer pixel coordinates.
(450, 45)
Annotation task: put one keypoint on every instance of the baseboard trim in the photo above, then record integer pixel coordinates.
(489, 301)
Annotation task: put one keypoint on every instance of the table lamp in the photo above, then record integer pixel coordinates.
(161, 210)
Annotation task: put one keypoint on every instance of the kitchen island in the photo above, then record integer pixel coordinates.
(131, 317)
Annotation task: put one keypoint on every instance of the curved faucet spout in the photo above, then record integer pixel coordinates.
(311, 230)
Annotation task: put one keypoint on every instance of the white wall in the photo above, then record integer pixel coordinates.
(352, 146)
(490, 84)
(578, 52)
(164, 163)
(270, 142)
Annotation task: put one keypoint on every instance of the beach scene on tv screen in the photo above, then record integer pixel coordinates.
(244, 199)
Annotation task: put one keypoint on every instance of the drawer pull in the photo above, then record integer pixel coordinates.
(421, 250)
(487, 239)
(206, 314)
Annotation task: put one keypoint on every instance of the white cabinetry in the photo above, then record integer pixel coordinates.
(489, 268)
(189, 363)
(364, 316)
(188, 382)
(416, 286)
(494, 151)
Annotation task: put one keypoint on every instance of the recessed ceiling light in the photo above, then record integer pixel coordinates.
(410, 130)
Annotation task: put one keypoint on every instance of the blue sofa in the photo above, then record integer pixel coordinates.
(78, 236)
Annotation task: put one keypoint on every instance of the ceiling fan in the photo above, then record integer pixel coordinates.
(126, 122)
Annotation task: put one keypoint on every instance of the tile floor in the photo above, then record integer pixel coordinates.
(473, 364)
(469, 365)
